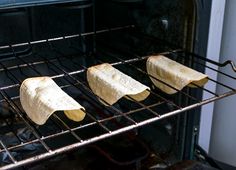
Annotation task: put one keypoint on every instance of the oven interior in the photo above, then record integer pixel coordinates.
(62, 41)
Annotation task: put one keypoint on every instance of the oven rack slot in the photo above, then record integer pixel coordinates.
(70, 72)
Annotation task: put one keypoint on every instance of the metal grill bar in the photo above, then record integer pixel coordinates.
(14, 132)
(87, 89)
(116, 132)
(132, 99)
(143, 72)
(137, 56)
(220, 72)
(157, 95)
(73, 76)
(17, 110)
(68, 128)
(182, 92)
(92, 117)
(85, 86)
(80, 127)
(8, 152)
(228, 62)
(64, 124)
(67, 37)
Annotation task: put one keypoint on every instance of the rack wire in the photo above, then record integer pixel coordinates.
(69, 71)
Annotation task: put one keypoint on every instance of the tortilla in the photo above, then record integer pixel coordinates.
(40, 97)
(111, 85)
(173, 73)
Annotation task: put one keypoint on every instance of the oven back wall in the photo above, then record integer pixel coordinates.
(41, 23)
(14, 26)
(167, 20)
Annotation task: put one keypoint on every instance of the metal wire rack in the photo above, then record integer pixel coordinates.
(68, 69)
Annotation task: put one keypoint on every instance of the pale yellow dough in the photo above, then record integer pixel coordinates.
(40, 97)
(173, 73)
(110, 84)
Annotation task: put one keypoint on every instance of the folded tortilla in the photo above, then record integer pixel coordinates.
(40, 97)
(110, 84)
(173, 73)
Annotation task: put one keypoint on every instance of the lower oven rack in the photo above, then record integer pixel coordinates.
(69, 71)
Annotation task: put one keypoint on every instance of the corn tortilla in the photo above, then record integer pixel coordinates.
(40, 97)
(110, 84)
(173, 73)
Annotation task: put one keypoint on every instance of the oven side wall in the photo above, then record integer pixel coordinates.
(222, 145)
(216, 9)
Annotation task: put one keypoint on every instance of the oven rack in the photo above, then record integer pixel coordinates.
(69, 71)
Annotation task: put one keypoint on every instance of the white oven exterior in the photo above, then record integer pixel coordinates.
(217, 126)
